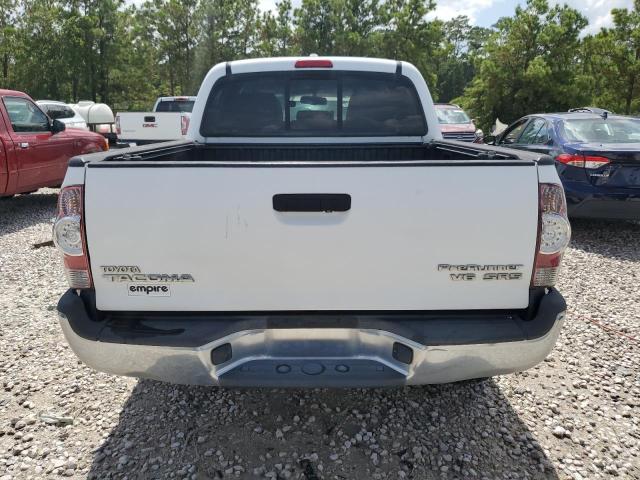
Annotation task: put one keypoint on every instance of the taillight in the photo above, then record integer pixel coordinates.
(118, 131)
(554, 233)
(568, 159)
(314, 64)
(585, 161)
(184, 124)
(69, 237)
(105, 146)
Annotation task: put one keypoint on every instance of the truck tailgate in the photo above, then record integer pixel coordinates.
(210, 234)
(146, 126)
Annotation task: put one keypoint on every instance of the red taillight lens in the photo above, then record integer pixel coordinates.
(314, 64)
(184, 124)
(588, 161)
(69, 237)
(554, 233)
(568, 159)
(118, 131)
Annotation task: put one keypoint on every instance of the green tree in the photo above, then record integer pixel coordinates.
(529, 64)
(407, 34)
(137, 77)
(72, 52)
(360, 22)
(612, 62)
(7, 39)
(172, 27)
(38, 56)
(317, 25)
(338, 27)
(104, 15)
(126, 55)
(229, 32)
(462, 44)
(276, 31)
(284, 28)
(88, 46)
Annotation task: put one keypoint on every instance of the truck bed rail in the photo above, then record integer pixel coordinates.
(186, 153)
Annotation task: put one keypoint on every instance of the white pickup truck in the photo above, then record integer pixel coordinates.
(313, 230)
(169, 120)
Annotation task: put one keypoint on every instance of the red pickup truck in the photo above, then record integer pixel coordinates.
(35, 150)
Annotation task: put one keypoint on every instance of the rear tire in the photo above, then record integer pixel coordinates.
(6, 197)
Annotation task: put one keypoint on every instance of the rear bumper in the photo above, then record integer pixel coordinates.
(331, 349)
(589, 201)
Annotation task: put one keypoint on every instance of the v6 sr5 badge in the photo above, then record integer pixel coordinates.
(473, 271)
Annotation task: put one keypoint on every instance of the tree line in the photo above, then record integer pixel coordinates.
(538, 59)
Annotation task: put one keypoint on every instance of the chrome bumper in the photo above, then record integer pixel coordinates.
(313, 357)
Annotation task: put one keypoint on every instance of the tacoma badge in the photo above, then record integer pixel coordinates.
(125, 273)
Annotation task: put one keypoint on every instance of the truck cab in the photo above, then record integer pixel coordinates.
(34, 149)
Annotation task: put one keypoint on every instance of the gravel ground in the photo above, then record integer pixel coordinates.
(574, 416)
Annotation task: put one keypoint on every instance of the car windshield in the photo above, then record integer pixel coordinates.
(175, 106)
(600, 130)
(452, 116)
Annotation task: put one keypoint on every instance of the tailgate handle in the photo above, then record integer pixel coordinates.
(149, 119)
(311, 202)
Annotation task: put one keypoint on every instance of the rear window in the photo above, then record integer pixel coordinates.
(175, 106)
(58, 112)
(600, 130)
(313, 104)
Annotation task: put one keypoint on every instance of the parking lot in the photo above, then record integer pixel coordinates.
(574, 416)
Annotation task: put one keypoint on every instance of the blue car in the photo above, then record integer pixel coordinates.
(597, 155)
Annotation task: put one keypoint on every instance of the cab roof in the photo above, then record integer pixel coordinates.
(51, 102)
(13, 93)
(288, 63)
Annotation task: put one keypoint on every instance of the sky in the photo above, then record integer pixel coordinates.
(485, 12)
